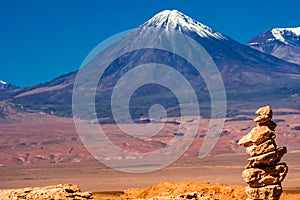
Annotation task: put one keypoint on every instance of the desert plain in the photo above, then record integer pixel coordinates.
(38, 149)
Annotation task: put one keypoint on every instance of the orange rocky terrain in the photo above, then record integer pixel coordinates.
(164, 190)
(198, 190)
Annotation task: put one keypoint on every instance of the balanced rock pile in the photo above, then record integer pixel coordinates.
(263, 172)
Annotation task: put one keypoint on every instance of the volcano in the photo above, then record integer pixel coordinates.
(248, 74)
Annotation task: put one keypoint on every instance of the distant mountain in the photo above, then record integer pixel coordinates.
(248, 74)
(283, 43)
(6, 86)
(9, 111)
(240, 66)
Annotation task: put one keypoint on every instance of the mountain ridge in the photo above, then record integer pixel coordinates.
(283, 43)
(6, 86)
(246, 72)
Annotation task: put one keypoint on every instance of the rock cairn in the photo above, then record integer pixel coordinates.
(263, 172)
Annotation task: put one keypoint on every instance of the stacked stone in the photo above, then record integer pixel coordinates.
(263, 172)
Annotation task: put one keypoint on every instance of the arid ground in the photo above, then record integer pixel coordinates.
(40, 150)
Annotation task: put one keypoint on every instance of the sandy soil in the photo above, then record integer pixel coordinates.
(217, 191)
(93, 176)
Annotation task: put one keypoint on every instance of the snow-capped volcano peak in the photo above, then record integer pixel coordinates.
(295, 31)
(3, 82)
(283, 43)
(173, 19)
(283, 35)
(6, 86)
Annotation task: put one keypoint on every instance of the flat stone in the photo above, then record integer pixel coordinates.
(256, 177)
(256, 136)
(265, 147)
(267, 110)
(262, 119)
(266, 159)
(272, 125)
(270, 192)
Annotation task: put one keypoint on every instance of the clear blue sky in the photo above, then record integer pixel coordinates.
(43, 39)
